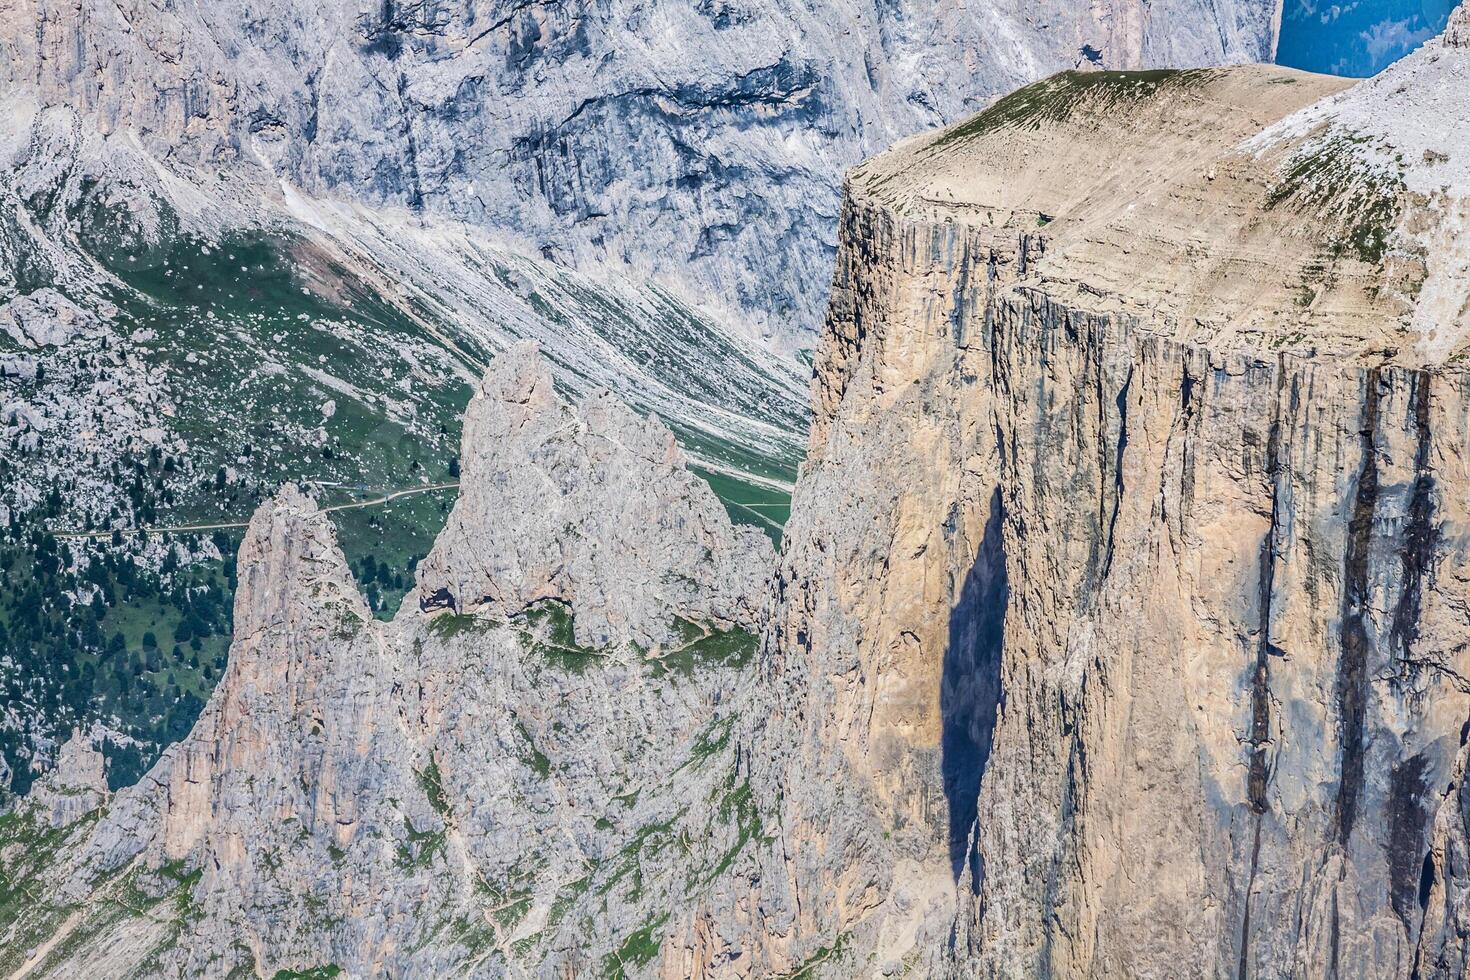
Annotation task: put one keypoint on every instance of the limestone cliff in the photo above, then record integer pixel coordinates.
(1144, 391)
(445, 794)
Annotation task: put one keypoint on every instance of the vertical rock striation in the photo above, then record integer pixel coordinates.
(1118, 630)
(1121, 612)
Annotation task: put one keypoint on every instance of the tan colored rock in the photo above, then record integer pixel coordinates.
(1162, 674)
(1118, 631)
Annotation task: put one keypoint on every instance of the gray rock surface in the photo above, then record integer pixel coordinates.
(45, 318)
(445, 794)
(699, 144)
(1118, 631)
(75, 786)
(592, 505)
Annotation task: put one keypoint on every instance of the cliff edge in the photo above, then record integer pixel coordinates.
(1145, 392)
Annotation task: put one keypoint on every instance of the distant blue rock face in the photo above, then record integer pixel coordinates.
(1356, 37)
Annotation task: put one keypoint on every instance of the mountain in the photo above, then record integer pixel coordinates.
(1116, 629)
(698, 145)
(1144, 392)
(174, 350)
(250, 244)
(445, 793)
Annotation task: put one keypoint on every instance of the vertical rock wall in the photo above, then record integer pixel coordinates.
(1192, 620)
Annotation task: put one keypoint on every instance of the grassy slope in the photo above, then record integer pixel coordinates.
(248, 339)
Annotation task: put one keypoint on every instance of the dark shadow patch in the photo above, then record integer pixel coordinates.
(1421, 535)
(970, 690)
(1408, 837)
(1352, 669)
(1122, 406)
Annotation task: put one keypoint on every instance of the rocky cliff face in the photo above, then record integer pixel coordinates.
(227, 336)
(1149, 407)
(1117, 630)
(696, 143)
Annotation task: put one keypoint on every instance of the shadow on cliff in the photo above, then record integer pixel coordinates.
(970, 690)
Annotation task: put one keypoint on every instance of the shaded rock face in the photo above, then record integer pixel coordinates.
(697, 143)
(590, 505)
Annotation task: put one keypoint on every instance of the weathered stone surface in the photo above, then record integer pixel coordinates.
(439, 795)
(44, 318)
(1163, 672)
(75, 786)
(1118, 630)
(697, 144)
(591, 505)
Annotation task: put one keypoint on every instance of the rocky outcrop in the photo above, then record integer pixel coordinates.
(697, 144)
(1442, 949)
(1457, 31)
(75, 786)
(590, 505)
(1117, 631)
(1145, 405)
(445, 794)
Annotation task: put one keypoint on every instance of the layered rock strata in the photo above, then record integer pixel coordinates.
(1118, 630)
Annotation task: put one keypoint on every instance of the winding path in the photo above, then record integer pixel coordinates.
(180, 528)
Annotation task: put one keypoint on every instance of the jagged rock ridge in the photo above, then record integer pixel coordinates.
(592, 505)
(643, 186)
(445, 794)
(1117, 631)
